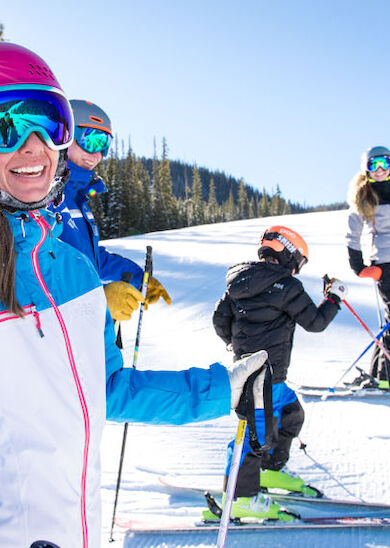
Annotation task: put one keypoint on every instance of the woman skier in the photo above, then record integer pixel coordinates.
(61, 372)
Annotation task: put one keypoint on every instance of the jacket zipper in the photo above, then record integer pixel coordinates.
(35, 313)
(34, 256)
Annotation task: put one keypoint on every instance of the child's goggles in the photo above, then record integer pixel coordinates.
(280, 244)
(26, 109)
(378, 161)
(92, 139)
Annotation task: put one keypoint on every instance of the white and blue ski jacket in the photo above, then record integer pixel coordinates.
(61, 374)
(81, 231)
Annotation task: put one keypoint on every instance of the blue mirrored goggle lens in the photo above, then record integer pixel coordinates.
(92, 140)
(24, 111)
(378, 161)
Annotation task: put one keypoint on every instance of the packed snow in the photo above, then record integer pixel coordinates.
(348, 441)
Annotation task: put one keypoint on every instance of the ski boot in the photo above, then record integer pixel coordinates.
(284, 479)
(363, 380)
(383, 385)
(260, 507)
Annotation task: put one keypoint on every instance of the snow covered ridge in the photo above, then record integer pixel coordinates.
(348, 442)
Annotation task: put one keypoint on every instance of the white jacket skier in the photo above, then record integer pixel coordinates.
(61, 373)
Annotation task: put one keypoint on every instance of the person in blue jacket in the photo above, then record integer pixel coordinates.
(92, 140)
(61, 372)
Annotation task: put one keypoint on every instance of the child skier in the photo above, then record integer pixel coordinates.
(260, 308)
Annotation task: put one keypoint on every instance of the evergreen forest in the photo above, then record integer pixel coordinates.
(147, 195)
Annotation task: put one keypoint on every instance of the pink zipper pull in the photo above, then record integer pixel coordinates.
(36, 215)
(37, 320)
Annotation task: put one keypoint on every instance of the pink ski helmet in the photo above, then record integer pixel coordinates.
(33, 97)
(19, 65)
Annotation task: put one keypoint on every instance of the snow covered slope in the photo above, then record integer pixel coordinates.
(348, 442)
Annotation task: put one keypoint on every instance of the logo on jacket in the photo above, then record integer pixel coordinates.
(278, 285)
(71, 223)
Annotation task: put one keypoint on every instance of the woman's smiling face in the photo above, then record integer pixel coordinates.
(380, 175)
(27, 173)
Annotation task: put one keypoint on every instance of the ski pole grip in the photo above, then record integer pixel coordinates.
(149, 260)
(326, 281)
(247, 401)
(246, 412)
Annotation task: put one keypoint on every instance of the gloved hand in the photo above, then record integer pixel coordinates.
(122, 299)
(239, 373)
(155, 291)
(374, 272)
(336, 287)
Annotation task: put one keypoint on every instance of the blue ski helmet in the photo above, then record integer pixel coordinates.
(372, 152)
(93, 131)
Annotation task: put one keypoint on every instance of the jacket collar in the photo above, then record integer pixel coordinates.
(27, 231)
(373, 180)
(82, 181)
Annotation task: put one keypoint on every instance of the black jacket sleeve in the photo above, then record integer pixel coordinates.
(355, 260)
(301, 308)
(222, 319)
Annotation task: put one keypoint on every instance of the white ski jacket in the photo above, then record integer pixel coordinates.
(59, 368)
(379, 230)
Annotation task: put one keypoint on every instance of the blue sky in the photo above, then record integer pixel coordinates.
(286, 92)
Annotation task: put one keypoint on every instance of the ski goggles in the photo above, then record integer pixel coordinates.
(92, 139)
(28, 109)
(378, 161)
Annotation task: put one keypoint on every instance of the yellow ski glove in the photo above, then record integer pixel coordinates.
(155, 291)
(122, 299)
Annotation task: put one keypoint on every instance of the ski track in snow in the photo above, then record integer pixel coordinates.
(348, 441)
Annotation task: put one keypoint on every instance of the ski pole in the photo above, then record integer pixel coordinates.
(246, 415)
(378, 336)
(380, 317)
(126, 277)
(231, 484)
(147, 273)
(376, 341)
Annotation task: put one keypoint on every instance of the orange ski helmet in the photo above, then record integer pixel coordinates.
(284, 244)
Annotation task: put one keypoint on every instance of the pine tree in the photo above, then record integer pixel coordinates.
(252, 208)
(2, 39)
(157, 197)
(186, 207)
(229, 208)
(131, 195)
(145, 206)
(115, 209)
(154, 164)
(243, 203)
(197, 203)
(287, 208)
(182, 213)
(212, 206)
(263, 207)
(277, 202)
(164, 173)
